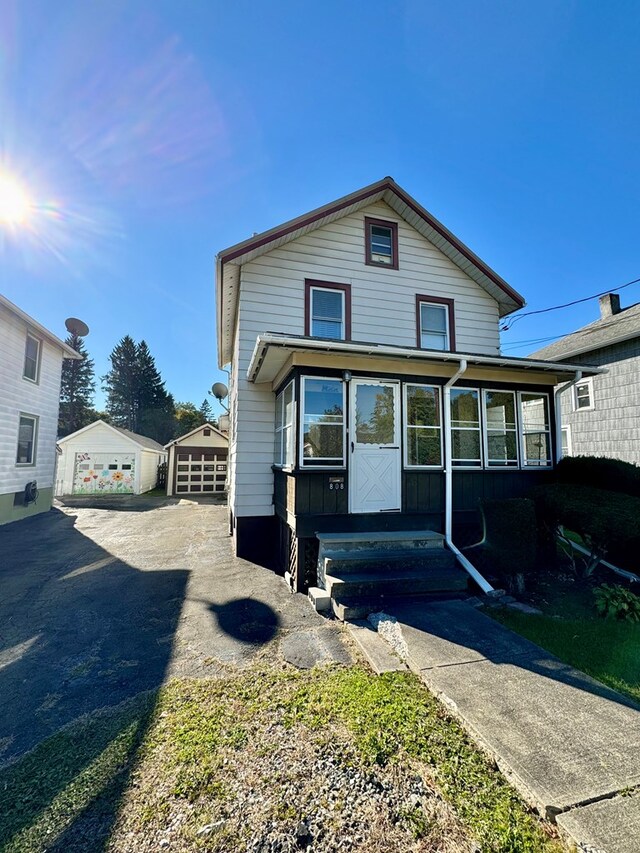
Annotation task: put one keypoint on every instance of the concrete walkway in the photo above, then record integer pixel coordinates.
(564, 740)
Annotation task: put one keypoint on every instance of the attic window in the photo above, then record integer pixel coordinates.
(206, 432)
(381, 243)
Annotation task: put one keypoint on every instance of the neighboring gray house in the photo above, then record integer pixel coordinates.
(601, 413)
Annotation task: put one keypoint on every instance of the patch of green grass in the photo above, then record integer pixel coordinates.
(65, 795)
(609, 651)
(393, 715)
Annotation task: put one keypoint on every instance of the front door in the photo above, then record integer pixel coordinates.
(374, 436)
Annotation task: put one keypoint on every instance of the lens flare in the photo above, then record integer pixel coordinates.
(15, 205)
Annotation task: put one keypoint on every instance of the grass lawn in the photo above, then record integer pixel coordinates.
(570, 629)
(231, 764)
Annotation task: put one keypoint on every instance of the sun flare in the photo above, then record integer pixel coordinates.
(15, 204)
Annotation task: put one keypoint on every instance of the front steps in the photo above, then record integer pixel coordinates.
(363, 572)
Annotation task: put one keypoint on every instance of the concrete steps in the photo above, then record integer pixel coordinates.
(363, 572)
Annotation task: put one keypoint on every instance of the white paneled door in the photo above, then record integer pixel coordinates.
(374, 446)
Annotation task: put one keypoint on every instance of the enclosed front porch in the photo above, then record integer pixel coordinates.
(379, 442)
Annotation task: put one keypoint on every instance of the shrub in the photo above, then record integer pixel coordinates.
(604, 520)
(611, 474)
(617, 602)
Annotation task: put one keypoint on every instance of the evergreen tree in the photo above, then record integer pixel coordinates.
(76, 389)
(122, 385)
(206, 413)
(156, 407)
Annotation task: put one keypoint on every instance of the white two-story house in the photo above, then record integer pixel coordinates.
(367, 389)
(30, 370)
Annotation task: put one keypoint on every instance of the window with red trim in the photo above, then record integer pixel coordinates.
(381, 243)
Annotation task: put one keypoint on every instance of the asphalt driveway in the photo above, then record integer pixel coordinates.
(98, 604)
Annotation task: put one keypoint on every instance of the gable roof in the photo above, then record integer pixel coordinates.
(193, 431)
(143, 441)
(601, 333)
(67, 351)
(229, 261)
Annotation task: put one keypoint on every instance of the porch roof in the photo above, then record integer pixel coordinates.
(272, 350)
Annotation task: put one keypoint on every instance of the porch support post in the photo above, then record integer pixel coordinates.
(558, 411)
(484, 585)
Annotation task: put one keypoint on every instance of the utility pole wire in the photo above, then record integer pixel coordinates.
(511, 322)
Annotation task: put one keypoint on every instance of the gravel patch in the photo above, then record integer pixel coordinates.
(300, 791)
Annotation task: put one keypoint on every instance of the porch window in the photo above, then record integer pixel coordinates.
(284, 454)
(423, 443)
(322, 422)
(465, 428)
(501, 431)
(327, 310)
(536, 430)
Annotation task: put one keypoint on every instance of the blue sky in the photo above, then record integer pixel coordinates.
(153, 134)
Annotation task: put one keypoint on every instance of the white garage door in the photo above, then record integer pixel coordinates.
(104, 473)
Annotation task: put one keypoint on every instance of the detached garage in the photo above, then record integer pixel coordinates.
(105, 459)
(198, 462)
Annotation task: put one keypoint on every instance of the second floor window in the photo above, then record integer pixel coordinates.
(31, 359)
(583, 395)
(435, 323)
(328, 310)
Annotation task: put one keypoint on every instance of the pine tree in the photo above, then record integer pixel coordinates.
(122, 385)
(76, 389)
(156, 407)
(187, 418)
(206, 413)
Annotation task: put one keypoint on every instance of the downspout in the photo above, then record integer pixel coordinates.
(484, 585)
(558, 412)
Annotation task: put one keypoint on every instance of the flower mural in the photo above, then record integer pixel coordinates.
(102, 476)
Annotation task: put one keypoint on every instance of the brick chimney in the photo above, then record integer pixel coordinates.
(609, 305)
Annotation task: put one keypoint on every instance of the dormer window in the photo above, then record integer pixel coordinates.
(435, 323)
(327, 310)
(381, 243)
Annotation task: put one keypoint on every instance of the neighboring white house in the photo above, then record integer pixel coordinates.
(104, 459)
(198, 462)
(30, 370)
(364, 345)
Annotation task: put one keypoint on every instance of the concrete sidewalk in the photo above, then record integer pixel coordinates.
(564, 740)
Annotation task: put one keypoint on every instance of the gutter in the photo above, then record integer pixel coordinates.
(558, 407)
(471, 570)
(271, 339)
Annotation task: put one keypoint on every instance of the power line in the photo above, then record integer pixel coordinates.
(511, 322)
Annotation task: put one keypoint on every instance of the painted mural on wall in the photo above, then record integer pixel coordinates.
(105, 473)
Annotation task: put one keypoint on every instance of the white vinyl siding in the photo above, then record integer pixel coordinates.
(383, 305)
(18, 395)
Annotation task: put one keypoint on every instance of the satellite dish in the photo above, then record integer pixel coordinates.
(76, 327)
(219, 390)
